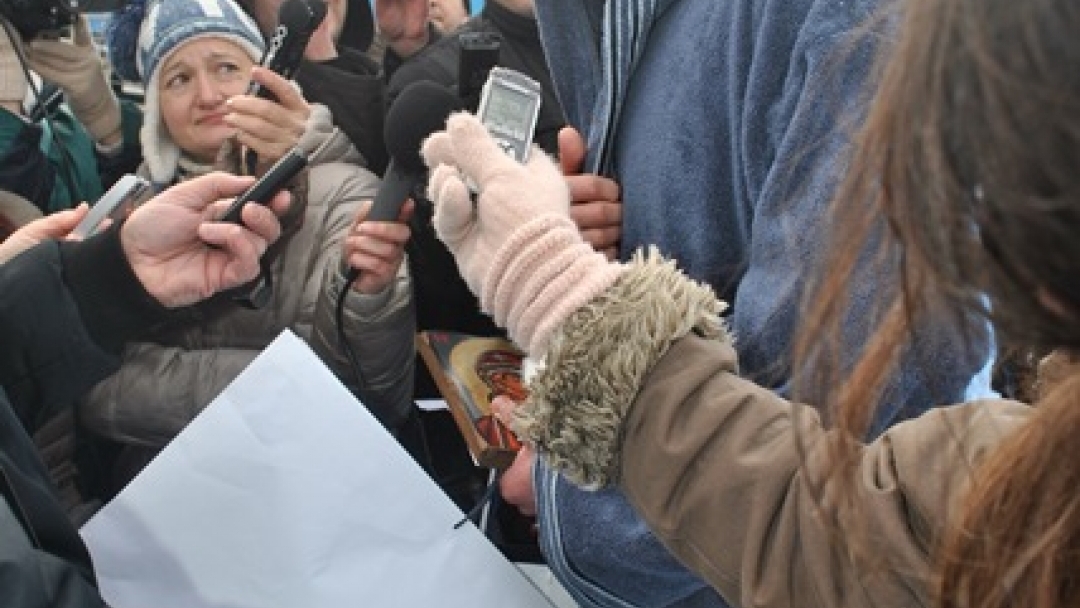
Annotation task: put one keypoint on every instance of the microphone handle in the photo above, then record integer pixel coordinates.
(396, 187)
(268, 185)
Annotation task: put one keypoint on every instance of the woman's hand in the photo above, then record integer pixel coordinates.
(376, 249)
(516, 482)
(269, 128)
(514, 242)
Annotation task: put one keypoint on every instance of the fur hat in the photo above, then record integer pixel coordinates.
(166, 26)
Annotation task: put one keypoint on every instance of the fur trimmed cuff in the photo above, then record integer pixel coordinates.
(598, 359)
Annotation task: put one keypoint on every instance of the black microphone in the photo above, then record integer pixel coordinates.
(420, 110)
(297, 21)
(273, 181)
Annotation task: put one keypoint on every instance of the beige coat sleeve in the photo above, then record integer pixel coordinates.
(380, 330)
(711, 462)
(380, 327)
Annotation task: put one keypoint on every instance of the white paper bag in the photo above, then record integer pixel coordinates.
(285, 492)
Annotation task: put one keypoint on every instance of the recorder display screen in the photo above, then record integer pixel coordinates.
(509, 112)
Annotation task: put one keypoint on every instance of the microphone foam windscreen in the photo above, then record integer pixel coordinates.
(420, 110)
(301, 15)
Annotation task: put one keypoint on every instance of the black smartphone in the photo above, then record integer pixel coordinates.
(297, 21)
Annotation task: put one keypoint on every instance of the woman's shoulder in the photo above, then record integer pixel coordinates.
(336, 167)
(342, 181)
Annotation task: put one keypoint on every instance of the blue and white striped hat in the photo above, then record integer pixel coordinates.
(169, 24)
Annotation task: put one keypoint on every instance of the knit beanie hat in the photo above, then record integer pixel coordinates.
(166, 26)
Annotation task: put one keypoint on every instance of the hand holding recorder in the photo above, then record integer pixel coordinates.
(174, 243)
(517, 248)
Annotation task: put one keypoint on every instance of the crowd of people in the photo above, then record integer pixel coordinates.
(762, 260)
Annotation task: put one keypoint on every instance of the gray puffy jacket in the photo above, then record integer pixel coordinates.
(165, 382)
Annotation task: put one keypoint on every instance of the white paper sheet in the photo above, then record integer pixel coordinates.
(287, 493)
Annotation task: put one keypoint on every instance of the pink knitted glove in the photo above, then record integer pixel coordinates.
(517, 249)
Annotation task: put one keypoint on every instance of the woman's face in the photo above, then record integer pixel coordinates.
(193, 86)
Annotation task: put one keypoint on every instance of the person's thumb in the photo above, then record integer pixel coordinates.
(453, 206)
(571, 151)
(200, 192)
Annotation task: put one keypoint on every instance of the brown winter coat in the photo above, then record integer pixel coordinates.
(641, 388)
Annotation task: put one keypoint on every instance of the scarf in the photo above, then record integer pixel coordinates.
(624, 34)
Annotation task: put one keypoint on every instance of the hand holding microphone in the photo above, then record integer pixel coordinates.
(268, 187)
(297, 21)
(181, 254)
(420, 110)
(374, 251)
(517, 249)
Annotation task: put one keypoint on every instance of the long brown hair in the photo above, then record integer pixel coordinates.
(965, 185)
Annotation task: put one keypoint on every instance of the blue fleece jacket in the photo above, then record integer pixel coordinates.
(729, 147)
